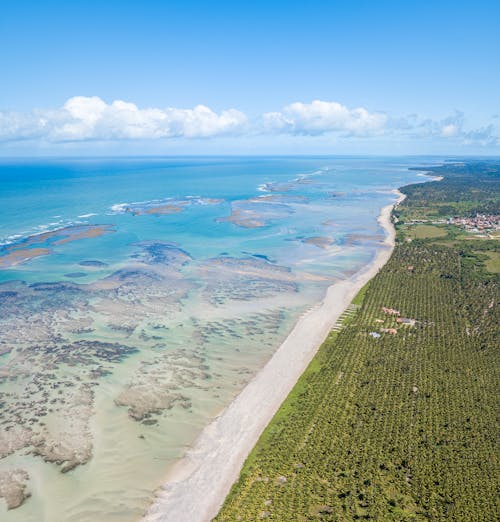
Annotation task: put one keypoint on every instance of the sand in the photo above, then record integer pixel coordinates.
(197, 485)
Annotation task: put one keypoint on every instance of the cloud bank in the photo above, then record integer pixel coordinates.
(84, 118)
(451, 127)
(91, 118)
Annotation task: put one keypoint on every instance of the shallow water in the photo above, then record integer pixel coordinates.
(139, 296)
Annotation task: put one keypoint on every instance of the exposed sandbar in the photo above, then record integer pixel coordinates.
(244, 218)
(86, 232)
(256, 212)
(40, 244)
(163, 207)
(319, 241)
(20, 256)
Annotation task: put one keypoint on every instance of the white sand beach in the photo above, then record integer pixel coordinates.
(198, 484)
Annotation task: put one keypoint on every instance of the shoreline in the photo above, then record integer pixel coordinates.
(213, 464)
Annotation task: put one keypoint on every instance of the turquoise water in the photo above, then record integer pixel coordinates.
(38, 196)
(138, 296)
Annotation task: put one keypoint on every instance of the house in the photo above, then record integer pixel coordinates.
(406, 320)
(391, 311)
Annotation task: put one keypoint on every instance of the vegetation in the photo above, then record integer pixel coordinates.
(467, 188)
(493, 262)
(426, 232)
(402, 426)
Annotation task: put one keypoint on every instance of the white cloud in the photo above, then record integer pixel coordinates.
(484, 136)
(84, 118)
(450, 130)
(321, 117)
(91, 118)
(452, 127)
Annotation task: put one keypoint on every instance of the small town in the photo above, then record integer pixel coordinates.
(479, 223)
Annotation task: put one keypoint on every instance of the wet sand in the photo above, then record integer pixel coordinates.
(41, 244)
(197, 485)
(20, 256)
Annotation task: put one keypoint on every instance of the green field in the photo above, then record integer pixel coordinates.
(400, 427)
(426, 232)
(493, 262)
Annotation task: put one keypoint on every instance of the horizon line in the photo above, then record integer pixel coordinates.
(303, 155)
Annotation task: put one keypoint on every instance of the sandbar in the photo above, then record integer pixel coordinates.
(20, 256)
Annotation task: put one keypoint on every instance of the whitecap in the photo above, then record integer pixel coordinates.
(120, 207)
(264, 187)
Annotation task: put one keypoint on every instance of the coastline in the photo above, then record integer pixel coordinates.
(213, 464)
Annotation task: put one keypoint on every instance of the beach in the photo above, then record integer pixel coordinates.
(197, 485)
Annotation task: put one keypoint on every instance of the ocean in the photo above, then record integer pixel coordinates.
(139, 296)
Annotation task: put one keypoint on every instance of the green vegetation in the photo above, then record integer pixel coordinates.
(493, 262)
(426, 231)
(467, 188)
(400, 427)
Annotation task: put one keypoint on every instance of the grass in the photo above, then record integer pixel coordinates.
(426, 232)
(360, 296)
(493, 262)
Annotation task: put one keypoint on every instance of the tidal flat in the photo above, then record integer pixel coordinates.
(133, 344)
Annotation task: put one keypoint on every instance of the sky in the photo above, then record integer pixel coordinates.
(275, 77)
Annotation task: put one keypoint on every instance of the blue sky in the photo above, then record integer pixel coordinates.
(425, 73)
